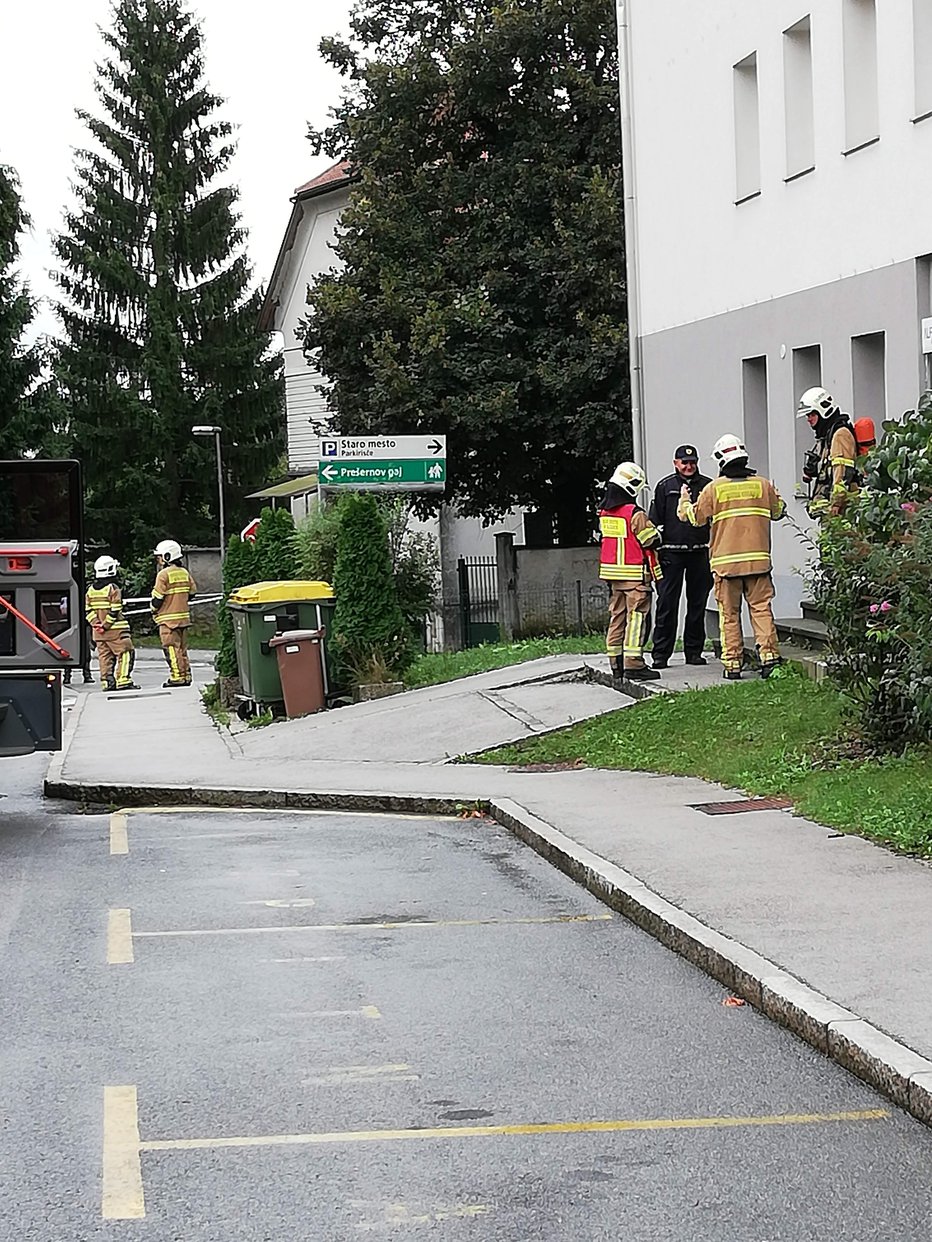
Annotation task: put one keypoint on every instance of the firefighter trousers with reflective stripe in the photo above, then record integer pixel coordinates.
(116, 657)
(629, 622)
(757, 589)
(175, 648)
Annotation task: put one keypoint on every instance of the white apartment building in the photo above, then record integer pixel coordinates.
(778, 181)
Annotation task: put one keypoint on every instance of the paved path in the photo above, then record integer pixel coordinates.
(848, 918)
(282, 1025)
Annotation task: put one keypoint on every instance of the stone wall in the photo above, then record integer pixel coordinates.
(549, 590)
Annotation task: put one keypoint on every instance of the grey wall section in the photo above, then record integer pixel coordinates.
(550, 590)
(693, 385)
(204, 566)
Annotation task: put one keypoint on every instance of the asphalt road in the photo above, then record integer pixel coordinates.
(284, 1027)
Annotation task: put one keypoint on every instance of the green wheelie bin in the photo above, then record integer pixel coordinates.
(264, 609)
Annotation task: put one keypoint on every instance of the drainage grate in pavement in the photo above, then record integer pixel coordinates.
(741, 805)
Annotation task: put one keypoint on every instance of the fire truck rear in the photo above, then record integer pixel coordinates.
(42, 626)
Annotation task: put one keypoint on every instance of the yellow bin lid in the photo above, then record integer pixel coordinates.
(281, 593)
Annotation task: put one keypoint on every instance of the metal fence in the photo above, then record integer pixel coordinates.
(478, 586)
(571, 608)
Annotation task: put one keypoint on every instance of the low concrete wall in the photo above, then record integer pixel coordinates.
(204, 566)
(549, 590)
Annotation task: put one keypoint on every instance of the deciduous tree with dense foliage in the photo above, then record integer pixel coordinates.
(20, 422)
(482, 290)
(159, 316)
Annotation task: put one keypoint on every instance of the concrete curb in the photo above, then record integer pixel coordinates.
(268, 799)
(57, 762)
(889, 1066)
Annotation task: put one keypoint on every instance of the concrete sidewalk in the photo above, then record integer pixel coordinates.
(827, 933)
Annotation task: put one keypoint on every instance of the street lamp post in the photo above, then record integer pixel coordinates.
(216, 432)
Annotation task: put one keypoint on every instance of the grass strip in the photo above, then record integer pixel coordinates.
(764, 737)
(433, 670)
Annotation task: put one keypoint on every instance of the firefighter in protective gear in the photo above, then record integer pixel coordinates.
(103, 606)
(739, 506)
(171, 595)
(830, 468)
(628, 562)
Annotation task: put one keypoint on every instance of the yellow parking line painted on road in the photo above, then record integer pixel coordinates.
(558, 1127)
(122, 1197)
(287, 961)
(347, 927)
(119, 938)
(119, 842)
(365, 1011)
(337, 1075)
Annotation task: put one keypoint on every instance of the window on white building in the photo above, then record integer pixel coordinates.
(747, 129)
(807, 373)
(797, 93)
(869, 376)
(924, 308)
(756, 429)
(922, 53)
(862, 110)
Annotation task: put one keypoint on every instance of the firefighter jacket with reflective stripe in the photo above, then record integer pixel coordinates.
(837, 479)
(173, 588)
(103, 607)
(628, 542)
(739, 511)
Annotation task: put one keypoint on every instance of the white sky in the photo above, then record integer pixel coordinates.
(260, 56)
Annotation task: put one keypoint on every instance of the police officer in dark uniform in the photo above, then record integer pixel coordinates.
(684, 555)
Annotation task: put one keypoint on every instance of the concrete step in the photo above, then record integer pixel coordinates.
(811, 611)
(803, 632)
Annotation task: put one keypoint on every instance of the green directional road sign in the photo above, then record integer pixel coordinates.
(414, 473)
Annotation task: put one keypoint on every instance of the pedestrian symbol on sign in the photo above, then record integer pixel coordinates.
(435, 472)
(328, 448)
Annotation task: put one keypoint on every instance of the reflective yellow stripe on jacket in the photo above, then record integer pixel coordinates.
(733, 513)
(738, 558)
(103, 610)
(173, 588)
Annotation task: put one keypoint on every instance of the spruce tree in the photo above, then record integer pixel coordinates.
(276, 560)
(367, 620)
(20, 420)
(159, 318)
(239, 570)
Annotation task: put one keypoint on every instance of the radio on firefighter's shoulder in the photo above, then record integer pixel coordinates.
(811, 465)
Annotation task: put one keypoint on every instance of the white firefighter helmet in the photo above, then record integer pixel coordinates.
(106, 567)
(167, 551)
(729, 449)
(816, 401)
(629, 476)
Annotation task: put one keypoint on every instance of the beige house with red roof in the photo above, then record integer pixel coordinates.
(305, 254)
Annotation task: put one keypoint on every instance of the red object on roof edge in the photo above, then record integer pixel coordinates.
(338, 172)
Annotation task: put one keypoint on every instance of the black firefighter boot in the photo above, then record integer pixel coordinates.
(641, 674)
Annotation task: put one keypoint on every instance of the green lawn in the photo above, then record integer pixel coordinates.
(431, 670)
(765, 737)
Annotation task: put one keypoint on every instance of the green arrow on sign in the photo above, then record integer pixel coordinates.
(373, 473)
